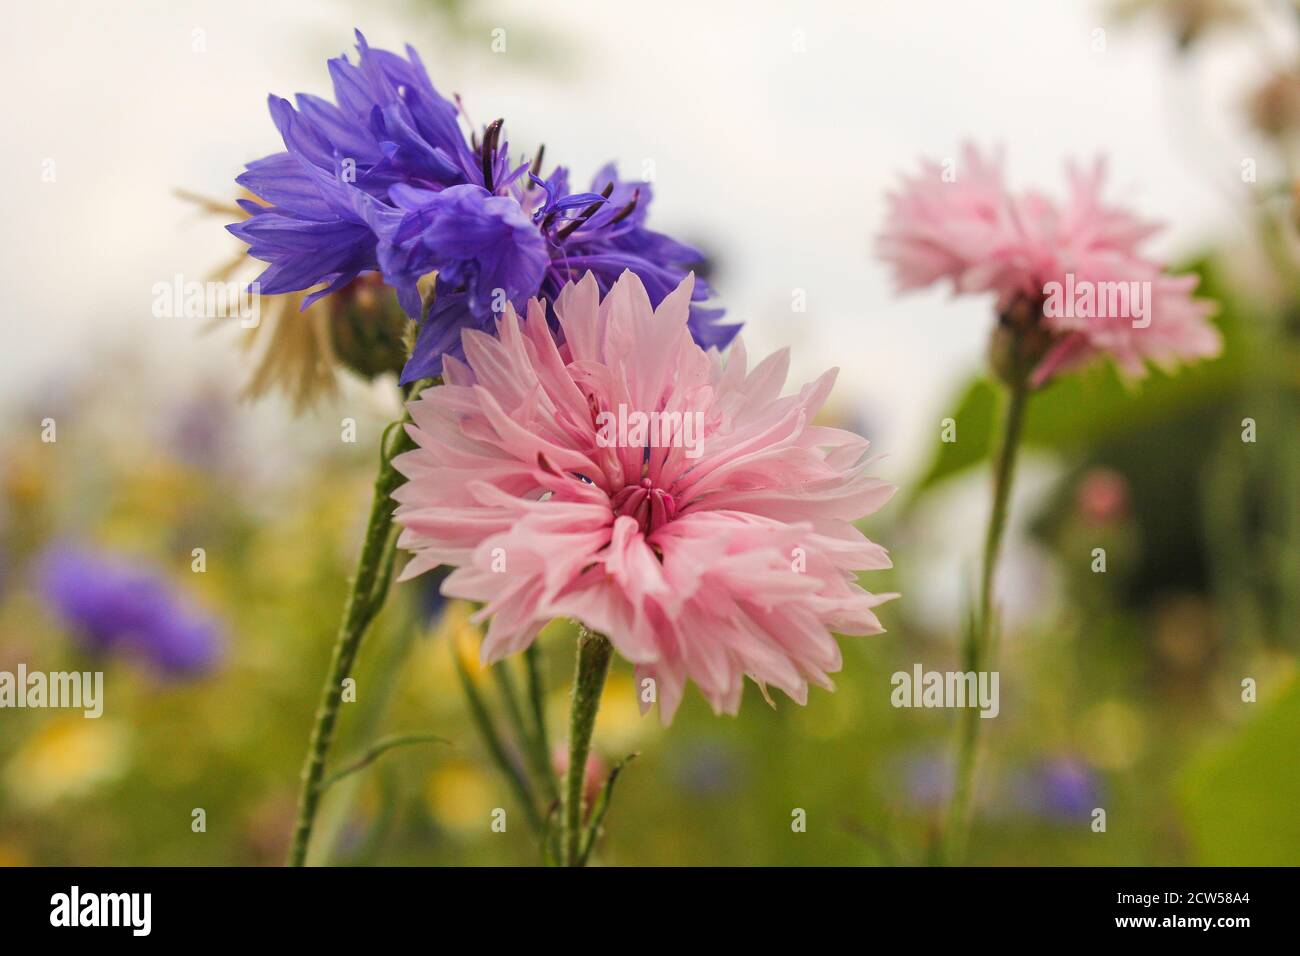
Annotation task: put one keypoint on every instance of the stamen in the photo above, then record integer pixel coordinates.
(586, 214)
(627, 210)
(650, 507)
(490, 138)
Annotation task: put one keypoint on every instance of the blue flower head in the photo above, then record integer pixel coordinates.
(113, 606)
(383, 180)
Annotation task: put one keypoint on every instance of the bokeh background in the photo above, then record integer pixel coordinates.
(773, 132)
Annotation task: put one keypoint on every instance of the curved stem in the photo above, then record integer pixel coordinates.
(377, 750)
(594, 654)
(600, 807)
(977, 646)
(366, 597)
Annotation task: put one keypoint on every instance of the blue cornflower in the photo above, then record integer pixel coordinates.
(1061, 788)
(384, 180)
(113, 606)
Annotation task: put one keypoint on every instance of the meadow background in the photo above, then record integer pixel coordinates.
(774, 132)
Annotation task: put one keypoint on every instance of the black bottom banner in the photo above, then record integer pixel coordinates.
(331, 906)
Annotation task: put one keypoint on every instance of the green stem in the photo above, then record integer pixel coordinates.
(539, 762)
(594, 655)
(497, 749)
(600, 808)
(537, 710)
(366, 597)
(366, 719)
(977, 646)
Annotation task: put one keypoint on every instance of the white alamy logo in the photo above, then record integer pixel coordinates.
(79, 690)
(922, 688)
(637, 429)
(75, 908)
(179, 299)
(1098, 300)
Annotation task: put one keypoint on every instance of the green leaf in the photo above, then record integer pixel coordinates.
(377, 750)
(1240, 796)
(601, 807)
(975, 417)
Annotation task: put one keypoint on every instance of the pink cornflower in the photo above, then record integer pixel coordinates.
(1102, 495)
(1076, 266)
(713, 551)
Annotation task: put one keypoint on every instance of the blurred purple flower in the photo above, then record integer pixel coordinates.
(1055, 789)
(429, 597)
(200, 430)
(708, 768)
(927, 779)
(118, 607)
(1066, 788)
(384, 180)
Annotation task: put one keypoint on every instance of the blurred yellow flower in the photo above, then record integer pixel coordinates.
(26, 477)
(11, 854)
(462, 797)
(621, 728)
(464, 636)
(68, 757)
(620, 725)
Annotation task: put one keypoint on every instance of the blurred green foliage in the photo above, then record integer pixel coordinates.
(1240, 795)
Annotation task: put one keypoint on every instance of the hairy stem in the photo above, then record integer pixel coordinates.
(364, 600)
(594, 655)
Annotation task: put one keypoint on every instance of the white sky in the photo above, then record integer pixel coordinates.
(776, 160)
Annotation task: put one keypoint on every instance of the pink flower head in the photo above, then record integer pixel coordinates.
(1102, 495)
(1078, 264)
(719, 548)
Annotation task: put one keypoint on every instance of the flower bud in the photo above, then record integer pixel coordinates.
(369, 328)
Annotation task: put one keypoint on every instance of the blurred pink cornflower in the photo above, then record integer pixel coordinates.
(1075, 270)
(1102, 495)
(709, 551)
